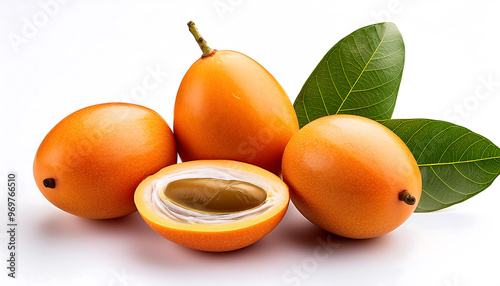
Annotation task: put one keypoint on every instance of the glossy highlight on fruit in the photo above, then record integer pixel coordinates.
(230, 107)
(91, 162)
(212, 205)
(351, 176)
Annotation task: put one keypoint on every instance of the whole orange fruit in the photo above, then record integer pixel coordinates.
(230, 107)
(351, 176)
(91, 162)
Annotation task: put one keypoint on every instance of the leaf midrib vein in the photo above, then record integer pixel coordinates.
(375, 87)
(459, 162)
(367, 106)
(387, 67)
(388, 55)
(367, 63)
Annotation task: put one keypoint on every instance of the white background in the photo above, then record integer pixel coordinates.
(79, 53)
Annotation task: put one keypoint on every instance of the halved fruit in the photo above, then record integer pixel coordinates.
(212, 205)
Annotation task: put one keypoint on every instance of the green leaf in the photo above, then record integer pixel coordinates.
(360, 75)
(455, 162)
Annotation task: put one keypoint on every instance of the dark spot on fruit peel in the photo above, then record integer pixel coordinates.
(49, 183)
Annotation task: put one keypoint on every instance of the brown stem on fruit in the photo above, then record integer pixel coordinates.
(49, 183)
(406, 197)
(207, 51)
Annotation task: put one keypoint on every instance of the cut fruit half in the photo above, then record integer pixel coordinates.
(212, 205)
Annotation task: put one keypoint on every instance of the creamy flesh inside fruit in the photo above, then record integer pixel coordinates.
(211, 195)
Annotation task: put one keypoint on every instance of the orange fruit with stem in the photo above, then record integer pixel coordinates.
(230, 107)
(91, 162)
(351, 176)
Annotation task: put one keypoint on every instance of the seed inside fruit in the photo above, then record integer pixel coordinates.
(213, 195)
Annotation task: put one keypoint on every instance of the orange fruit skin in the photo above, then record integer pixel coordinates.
(99, 154)
(219, 241)
(213, 238)
(229, 107)
(345, 173)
